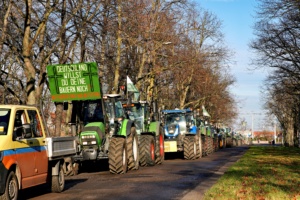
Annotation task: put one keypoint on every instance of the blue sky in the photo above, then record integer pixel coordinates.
(238, 17)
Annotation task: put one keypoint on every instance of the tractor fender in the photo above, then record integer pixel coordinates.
(148, 133)
(154, 127)
(190, 134)
(128, 127)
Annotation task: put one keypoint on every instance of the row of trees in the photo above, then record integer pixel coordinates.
(278, 49)
(173, 52)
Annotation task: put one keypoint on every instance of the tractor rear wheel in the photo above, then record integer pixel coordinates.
(147, 150)
(198, 146)
(189, 147)
(159, 149)
(133, 150)
(117, 156)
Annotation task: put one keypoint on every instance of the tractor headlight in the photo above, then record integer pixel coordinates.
(88, 136)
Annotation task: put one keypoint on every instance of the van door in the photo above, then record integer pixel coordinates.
(38, 142)
(25, 153)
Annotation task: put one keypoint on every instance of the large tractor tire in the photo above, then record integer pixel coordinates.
(117, 155)
(11, 187)
(58, 181)
(133, 150)
(198, 146)
(189, 147)
(159, 149)
(147, 150)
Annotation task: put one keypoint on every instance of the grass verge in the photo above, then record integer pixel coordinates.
(263, 173)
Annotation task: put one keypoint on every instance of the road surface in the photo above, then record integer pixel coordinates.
(176, 179)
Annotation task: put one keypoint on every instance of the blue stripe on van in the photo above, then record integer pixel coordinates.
(24, 150)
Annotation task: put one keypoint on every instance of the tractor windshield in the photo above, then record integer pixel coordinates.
(177, 118)
(93, 112)
(111, 106)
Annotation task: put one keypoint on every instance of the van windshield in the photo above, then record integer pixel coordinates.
(4, 120)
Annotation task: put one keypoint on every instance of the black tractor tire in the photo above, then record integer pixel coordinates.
(147, 150)
(133, 150)
(198, 146)
(189, 147)
(11, 187)
(58, 181)
(117, 155)
(159, 149)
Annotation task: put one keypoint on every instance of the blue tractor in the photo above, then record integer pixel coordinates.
(181, 133)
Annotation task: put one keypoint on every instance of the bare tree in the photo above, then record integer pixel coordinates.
(277, 47)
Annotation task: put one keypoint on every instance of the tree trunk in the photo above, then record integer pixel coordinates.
(27, 47)
(58, 119)
(119, 50)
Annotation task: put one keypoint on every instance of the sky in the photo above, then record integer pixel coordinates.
(238, 18)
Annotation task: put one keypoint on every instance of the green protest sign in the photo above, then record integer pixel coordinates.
(73, 81)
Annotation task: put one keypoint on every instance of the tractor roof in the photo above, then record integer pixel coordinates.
(176, 111)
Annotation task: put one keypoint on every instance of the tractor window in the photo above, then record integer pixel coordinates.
(98, 113)
(108, 109)
(119, 109)
(4, 121)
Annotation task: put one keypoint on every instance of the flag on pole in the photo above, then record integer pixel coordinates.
(205, 113)
(132, 89)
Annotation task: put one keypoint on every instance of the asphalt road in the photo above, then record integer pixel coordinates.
(176, 179)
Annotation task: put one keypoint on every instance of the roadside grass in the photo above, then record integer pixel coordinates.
(262, 173)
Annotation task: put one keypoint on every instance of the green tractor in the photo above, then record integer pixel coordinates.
(149, 130)
(104, 131)
(107, 134)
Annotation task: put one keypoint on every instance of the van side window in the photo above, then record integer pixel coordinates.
(35, 123)
(20, 120)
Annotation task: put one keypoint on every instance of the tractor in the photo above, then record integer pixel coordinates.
(107, 134)
(149, 130)
(181, 133)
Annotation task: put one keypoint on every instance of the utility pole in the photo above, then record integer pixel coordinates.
(252, 123)
(275, 132)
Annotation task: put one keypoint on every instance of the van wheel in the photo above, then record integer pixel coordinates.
(11, 188)
(58, 181)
